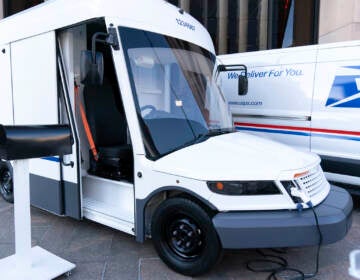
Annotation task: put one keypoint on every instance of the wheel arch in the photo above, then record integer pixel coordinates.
(143, 212)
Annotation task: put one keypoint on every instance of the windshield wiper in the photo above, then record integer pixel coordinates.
(211, 133)
(220, 131)
(200, 138)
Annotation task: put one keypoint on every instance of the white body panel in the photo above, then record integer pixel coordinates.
(317, 108)
(34, 80)
(234, 157)
(35, 84)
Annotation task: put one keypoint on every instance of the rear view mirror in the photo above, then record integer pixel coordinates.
(242, 85)
(91, 68)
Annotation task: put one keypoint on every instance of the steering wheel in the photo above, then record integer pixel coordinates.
(148, 107)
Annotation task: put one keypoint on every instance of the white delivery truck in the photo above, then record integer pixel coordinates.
(307, 97)
(155, 152)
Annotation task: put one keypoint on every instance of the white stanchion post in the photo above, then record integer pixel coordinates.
(28, 263)
(22, 215)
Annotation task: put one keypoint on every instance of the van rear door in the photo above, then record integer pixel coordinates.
(278, 102)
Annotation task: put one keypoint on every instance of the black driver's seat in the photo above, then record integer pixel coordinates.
(108, 126)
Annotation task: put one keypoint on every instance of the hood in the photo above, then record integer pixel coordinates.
(235, 156)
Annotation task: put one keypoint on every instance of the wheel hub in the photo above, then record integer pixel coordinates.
(185, 237)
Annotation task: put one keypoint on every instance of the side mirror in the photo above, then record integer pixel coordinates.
(91, 68)
(242, 77)
(242, 85)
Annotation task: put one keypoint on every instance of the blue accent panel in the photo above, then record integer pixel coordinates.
(355, 103)
(343, 87)
(54, 159)
(300, 133)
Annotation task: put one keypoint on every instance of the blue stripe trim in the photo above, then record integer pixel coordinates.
(353, 138)
(299, 133)
(53, 159)
(274, 131)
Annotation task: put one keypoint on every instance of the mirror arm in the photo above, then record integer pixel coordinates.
(95, 39)
(232, 67)
(229, 68)
(110, 39)
(235, 67)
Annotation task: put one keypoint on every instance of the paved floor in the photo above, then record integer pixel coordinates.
(103, 253)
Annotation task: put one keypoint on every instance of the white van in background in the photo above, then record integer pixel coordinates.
(307, 97)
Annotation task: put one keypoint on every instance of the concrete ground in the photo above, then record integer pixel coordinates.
(103, 253)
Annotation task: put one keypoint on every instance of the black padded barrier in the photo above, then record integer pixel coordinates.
(23, 142)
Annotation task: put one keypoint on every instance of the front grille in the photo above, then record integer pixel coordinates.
(313, 181)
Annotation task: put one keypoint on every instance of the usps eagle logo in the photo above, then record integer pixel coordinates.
(345, 90)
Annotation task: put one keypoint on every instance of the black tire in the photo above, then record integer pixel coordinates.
(6, 183)
(184, 237)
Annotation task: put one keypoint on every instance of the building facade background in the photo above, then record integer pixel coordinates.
(339, 20)
(250, 25)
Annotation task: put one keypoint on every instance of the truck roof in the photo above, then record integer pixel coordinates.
(154, 15)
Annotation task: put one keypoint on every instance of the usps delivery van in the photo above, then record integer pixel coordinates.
(307, 97)
(155, 152)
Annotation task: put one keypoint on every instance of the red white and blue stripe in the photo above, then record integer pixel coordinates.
(300, 131)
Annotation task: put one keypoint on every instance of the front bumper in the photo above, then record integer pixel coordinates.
(285, 228)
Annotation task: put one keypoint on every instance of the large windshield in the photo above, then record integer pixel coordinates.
(178, 102)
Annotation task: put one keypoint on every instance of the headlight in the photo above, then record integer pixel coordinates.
(244, 187)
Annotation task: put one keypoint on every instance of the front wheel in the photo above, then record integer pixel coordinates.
(6, 183)
(184, 236)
